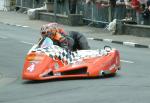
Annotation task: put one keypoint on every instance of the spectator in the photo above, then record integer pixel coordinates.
(135, 4)
(113, 8)
(128, 9)
(72, 6)
(111, 4)
(120, 12)
(148, 3)
(146, 13)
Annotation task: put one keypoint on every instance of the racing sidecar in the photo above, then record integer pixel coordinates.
(46, 61)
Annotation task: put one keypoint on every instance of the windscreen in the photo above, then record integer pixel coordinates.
(47, 43)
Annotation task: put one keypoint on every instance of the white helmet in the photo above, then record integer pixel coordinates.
(49, 26)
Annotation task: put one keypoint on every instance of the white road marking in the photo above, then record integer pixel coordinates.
(26, 42)
(21, 26)
(126, 61)
(17, 25)
(25, 26)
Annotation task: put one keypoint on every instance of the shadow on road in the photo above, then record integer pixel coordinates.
(68, 79)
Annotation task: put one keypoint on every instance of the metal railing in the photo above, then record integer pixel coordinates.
(91, 12)
(29, 3)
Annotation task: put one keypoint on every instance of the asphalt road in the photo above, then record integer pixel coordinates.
(130, 85)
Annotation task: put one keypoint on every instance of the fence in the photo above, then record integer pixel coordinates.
(29, 3)
(93, 12)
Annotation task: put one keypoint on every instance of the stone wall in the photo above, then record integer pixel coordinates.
(72, 19)
(132, 29)
(137, 30)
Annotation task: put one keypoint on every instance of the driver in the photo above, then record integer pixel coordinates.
(72, 41)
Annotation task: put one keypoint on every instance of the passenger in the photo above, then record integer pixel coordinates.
(72, 41)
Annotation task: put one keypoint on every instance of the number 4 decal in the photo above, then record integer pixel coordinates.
(31, 67)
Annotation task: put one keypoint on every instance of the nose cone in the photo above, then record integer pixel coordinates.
(29, 76)
(33, 69)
